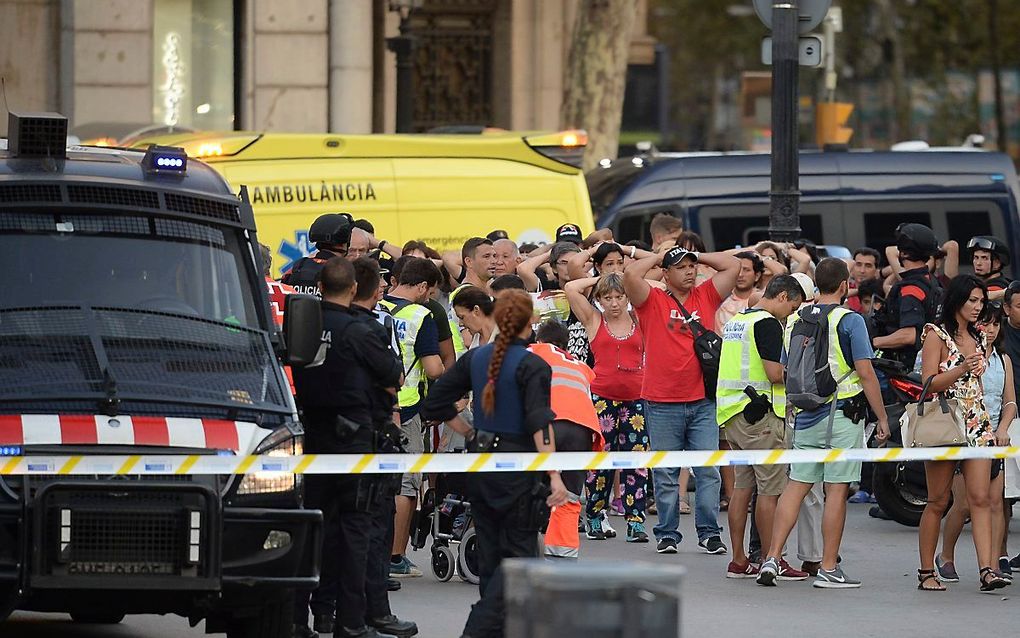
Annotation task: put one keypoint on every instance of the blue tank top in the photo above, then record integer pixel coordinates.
(994, 383)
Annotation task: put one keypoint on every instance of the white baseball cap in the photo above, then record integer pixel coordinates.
(806, 284)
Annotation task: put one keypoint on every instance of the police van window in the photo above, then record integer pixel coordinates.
(720, 228)
(961, 225)
(880, 227)
(634, 224)
(133, 263)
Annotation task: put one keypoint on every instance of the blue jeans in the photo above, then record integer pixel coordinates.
(684, 426)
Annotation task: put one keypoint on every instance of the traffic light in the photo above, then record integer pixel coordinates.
(830, 123)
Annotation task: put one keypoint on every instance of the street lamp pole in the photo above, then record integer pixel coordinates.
(784, 196)
(403, 46)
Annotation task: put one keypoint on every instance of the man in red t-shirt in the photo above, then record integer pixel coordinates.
(677, 414)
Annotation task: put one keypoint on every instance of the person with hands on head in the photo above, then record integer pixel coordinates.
(619, 349)
(475, 264)
(511, 391)
(678, 414)
(953, 361)
(363, 242)
(912, 301)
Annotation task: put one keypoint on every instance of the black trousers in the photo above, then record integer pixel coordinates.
(498, 503)
(344, 554)
(380, 547)
(571, 437)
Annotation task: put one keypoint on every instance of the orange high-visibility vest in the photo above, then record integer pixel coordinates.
(561, 537)
(571, 389)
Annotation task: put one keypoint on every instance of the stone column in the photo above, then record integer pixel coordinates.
(350, 66)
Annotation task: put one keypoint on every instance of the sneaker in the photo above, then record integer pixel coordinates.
(606, 527)
(834, 579)
(946, 571)
(1004, 569)
(788, 572)
(636, 533)
(712, 545)
(1014, 563)
(595, 532)
(860, 497)
(404, 569)
(617, 508)
(747, 570)
(666, 546)
(768, 573)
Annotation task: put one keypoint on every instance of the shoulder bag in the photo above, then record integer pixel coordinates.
(707, 347)
(934, 423)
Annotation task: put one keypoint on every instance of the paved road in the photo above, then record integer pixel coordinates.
(881, 553)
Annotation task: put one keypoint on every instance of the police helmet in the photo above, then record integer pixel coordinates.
(992, 245)
(917, 240)
(331, 229)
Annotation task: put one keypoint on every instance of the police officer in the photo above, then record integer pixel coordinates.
(331, 234)
(989, 256)
(913, 300)
(511, 389)
(389, 439)
(336, 402)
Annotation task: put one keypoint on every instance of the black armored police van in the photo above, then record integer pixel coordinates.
(134, 320)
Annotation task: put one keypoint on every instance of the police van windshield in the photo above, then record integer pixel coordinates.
(130, 308)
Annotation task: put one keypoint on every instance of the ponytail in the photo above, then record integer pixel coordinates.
(513, 313)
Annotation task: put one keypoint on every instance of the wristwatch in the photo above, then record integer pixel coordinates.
(381, 244)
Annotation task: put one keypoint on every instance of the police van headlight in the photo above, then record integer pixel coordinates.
(280, 443)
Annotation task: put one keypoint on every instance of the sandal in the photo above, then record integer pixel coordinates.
(685, 507)
(724, 504)
(928, 575)
(991, 580)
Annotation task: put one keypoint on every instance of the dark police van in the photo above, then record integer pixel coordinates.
(853, 199)
(134, 320)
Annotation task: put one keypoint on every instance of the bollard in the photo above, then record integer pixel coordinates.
(591, 599)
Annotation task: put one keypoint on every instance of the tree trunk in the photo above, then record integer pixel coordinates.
(596, 74)
(1001, 132)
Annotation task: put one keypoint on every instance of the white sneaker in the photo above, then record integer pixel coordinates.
(607, 529)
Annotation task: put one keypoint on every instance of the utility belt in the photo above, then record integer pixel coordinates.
(533, 510)
(500, 442)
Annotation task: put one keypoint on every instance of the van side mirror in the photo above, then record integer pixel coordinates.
(302, 330)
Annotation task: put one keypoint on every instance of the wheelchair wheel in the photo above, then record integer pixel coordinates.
(442, 562)
(467, 557)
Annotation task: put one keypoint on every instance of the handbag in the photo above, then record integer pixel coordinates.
(707, 347)
(930, 427)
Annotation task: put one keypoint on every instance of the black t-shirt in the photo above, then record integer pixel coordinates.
(441, 318)
(1011, 346)
(768, 336)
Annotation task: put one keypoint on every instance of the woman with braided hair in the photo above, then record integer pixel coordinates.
(511, 395)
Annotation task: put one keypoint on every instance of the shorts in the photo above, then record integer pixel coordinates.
(845, 434)
(767, 434)
(410, 484)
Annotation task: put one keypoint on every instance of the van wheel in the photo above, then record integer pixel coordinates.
(97, 617)
(273, 619)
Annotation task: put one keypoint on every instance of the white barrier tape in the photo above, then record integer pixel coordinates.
(486, 462)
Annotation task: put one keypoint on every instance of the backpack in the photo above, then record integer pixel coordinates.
(809, 382)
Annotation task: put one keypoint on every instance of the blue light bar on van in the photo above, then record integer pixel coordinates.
(165, 160)
(10, 450)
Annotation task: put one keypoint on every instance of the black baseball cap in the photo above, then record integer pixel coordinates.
(496, 235)
(569, 232)
(675, 255)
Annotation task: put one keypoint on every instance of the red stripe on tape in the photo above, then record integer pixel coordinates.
(220, 435)
(150, 430)
(78, 429)
(10, 430)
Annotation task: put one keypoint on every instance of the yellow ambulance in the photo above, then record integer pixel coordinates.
(441, 189)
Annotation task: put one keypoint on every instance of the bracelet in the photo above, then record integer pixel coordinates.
(633, 251)
(1012, 403)
(381, 244)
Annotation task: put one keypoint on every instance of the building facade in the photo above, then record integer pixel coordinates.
(116, 66)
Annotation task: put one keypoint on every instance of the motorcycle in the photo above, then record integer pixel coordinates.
(899, 487)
